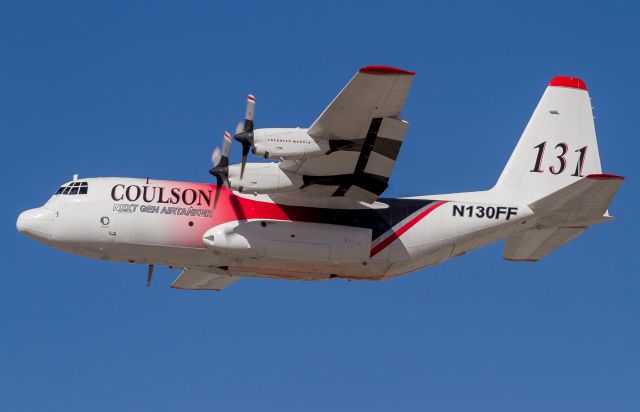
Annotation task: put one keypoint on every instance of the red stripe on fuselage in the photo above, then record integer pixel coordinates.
(231, 208)
(402, 230)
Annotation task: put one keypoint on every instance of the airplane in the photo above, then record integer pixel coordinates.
(315, 211)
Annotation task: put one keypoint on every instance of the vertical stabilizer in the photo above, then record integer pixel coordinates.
(558, 146)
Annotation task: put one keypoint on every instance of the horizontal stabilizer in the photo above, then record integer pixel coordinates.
(534, 244)
(582, 203)
(563, 215)
(199, 279)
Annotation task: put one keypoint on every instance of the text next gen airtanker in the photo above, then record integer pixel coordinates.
(315, 212)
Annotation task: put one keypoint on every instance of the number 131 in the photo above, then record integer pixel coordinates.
(564, 148)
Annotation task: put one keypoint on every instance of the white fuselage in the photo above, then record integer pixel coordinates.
(174, 224)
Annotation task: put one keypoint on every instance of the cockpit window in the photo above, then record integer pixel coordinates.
(73, 188)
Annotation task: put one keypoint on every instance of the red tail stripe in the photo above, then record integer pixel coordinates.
(568, 81)
(384, 70)
(605, 176)
(396, 234)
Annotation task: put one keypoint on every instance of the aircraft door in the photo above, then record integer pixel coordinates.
(116, 227)
(107, 226)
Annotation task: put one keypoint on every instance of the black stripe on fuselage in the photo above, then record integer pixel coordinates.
(378, 220)
(372, 183)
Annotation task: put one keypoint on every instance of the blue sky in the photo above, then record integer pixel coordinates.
(146, 89)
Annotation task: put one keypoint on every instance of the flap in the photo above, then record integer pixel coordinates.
(200, 279)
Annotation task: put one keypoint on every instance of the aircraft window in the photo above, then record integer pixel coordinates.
(75, 188)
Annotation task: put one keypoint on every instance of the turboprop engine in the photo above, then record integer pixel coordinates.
(262, 178)
(306, 241)
(287, 143)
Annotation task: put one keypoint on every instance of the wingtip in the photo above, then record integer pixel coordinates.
(568, 81)
(384, 70)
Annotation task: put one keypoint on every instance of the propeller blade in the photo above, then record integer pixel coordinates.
(149, 275)
(220, 169)
(216, 156)
(239, 127)
(245, 135)
(248, 116)
(226, 145)
(218, 186)
(245, 152)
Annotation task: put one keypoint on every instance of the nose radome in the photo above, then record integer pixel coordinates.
(36, 223)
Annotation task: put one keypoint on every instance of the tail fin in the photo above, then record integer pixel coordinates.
(558, 146)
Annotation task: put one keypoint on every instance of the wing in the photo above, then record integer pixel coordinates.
(364, 134)
(201, 279)
(375, 91)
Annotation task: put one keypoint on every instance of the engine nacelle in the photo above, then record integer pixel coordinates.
(287, 143)
(263, 178)
(298, 241)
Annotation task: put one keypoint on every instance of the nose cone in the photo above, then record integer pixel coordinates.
(36, 223)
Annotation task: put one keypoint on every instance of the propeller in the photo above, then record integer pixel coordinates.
(220, 169)
(244, 133)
